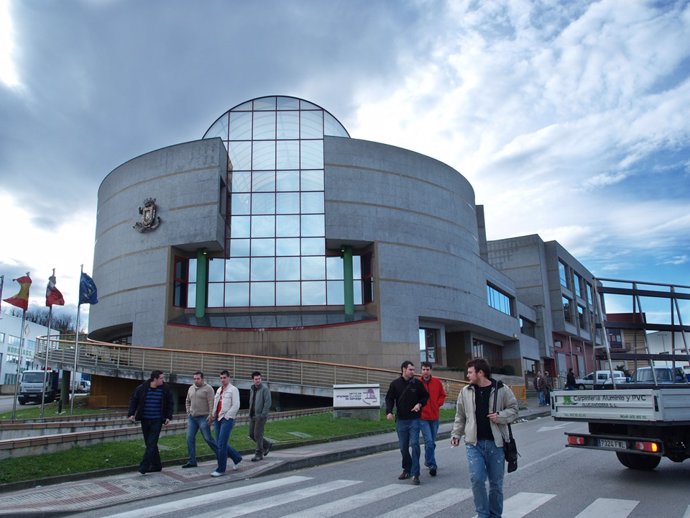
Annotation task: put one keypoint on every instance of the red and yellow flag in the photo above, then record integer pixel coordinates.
(21, 299)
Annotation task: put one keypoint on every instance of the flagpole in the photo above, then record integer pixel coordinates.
(19, 364)
(2, 283)
(76, 349)
(45, 364)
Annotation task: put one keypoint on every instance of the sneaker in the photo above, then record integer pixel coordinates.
(432, 471)
(404, 475)
(267, 448)
(235, 467)
(217, 474)
(415, 481)
(256, 458)
(142, 471)
(189, 465)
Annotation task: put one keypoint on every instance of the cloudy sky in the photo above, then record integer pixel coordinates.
(571, 119)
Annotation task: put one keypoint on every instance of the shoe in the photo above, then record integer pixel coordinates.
(256, 458)
(404, 475)
(216, 474)
(189, 465)
(267, 448)
(415, 481)
(432, 471)
(156, 470)
(235, 467)
(142, 471)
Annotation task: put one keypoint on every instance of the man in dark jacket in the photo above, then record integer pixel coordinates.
(408, 395)
(259, 405)
(152, 404)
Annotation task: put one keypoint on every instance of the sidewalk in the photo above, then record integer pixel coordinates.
(109, 489)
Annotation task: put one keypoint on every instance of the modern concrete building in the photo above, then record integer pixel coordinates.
(278, 234)
(10, 340)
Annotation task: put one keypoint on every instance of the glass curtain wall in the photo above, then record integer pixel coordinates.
(275, 247)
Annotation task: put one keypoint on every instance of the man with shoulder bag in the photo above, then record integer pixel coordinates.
(484, 410)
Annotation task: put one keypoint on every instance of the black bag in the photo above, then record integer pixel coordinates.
(510, 446)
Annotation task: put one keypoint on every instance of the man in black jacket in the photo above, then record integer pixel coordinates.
(152, 404)
(408, 395)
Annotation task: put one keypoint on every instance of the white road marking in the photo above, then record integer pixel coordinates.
(521, 504)
(609, 507)
(431, 504)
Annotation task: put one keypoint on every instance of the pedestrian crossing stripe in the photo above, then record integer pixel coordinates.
(609, 507)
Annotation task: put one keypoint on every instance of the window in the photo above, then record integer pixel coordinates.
(562, 274)
(180, 282)
(527, 327)
(577, 282)
(567, 309)
(498, 300)
(589, 293)
(581, 320)
(428, 343)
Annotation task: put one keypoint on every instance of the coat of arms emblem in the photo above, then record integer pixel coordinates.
(149, 220)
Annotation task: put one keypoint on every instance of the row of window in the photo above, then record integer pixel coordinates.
(499, 300)
(575, 282)
(582, 321)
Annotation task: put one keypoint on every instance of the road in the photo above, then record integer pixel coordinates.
(6, 403)
(551, 481)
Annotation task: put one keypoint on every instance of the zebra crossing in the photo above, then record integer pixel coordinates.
(275, 495)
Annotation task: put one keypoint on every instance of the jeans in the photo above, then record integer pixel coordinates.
(429, 430)
(194, 424)
(256, 434)
(542, 398)
(151, 428)
(485, 459)
(408, 437)
(224, 450)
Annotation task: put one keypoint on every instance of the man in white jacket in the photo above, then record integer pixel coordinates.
(226, 404)
(484, 410)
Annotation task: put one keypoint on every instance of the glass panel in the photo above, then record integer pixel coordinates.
(287, 203)
(239, 247)
(263, 269)
(263, 294)
(314, 293)
(263, 203)
(240, 203)
(241, 181)
(219, 128)
(336, 292)
(286, 247)
(264, 181)
(357, 267)
(264, 155)
(288, 103)
(215, 294)
(287, 293)
(287, 180)
(312, 180)
(263, 226)
(333, 127)
(357, 288)
(334, 268)
(311, 124)
(240, 155)
(240, 125)
(288, 125)
(287, 226)
(239, 226)
(313, 225)
(264, 125)
(312, 154)
(237, 295)
(237, 269)
(314, 246)
(192, 270)
(287, 268)
(306, 105)
(191, 296)
(265, 103)
(288, 154)
(313, 268)
(244, 107)
(216, 270)
(265, 247)
(312, 202)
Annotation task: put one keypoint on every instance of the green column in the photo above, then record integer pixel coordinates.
(201, 284)
(348, 281)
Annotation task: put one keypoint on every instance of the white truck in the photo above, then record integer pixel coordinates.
(35, 382)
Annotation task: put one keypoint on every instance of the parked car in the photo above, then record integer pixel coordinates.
(84, 386)
(663, 375)
(602, 378)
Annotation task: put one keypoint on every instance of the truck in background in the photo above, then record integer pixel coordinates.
(34, 383)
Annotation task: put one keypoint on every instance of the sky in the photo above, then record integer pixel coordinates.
(571, 119)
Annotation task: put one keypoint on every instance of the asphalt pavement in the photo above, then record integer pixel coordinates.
(105, 488)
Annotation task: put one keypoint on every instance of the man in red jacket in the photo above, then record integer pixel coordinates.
(430, 415)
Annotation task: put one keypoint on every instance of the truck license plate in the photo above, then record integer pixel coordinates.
(612, 443)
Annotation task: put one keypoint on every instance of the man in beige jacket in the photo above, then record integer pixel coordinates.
(485, 408)
(199, 404)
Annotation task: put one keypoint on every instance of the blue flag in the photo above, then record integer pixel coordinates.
(88, 294)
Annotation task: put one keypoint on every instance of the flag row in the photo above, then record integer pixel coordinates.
(88, 293)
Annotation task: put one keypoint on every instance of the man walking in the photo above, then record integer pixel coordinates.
(408, 395)
(226, 404)
(484, 410)
(259, 406)
(539, 385)
(430, 415)
(199, 404)
(152, 404)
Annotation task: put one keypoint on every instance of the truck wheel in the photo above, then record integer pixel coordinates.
(581, 387)
(639, 462)
(21, 401)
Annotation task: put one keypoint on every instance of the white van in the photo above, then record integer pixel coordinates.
(602, 378)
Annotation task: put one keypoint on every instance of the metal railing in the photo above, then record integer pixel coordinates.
(135, 362)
